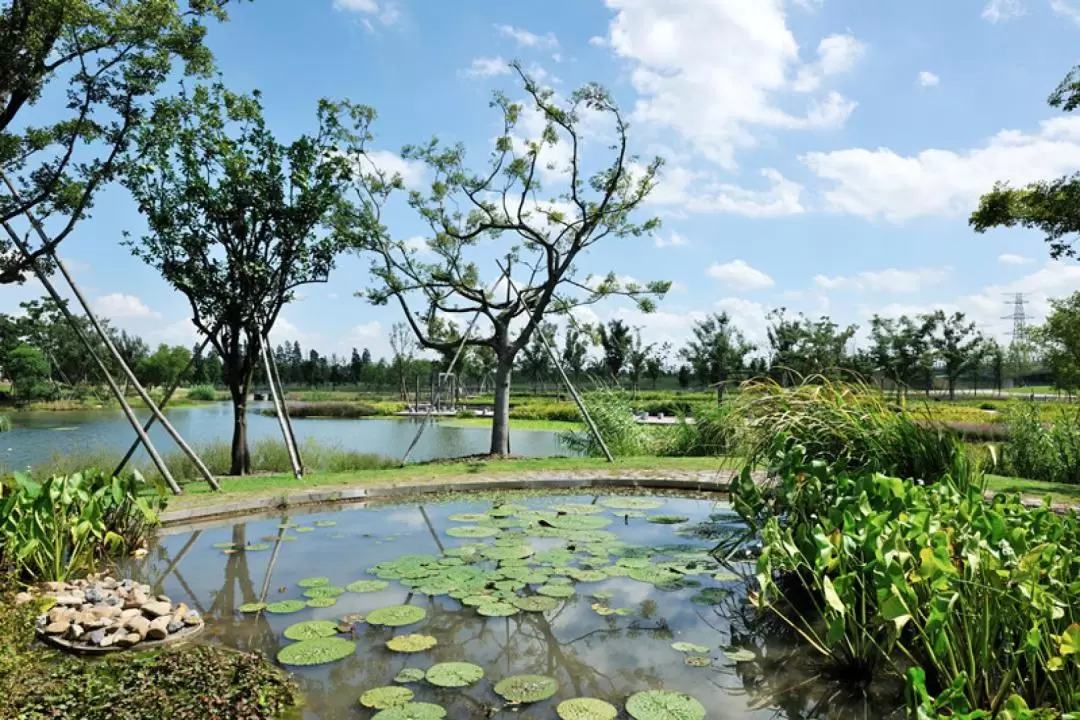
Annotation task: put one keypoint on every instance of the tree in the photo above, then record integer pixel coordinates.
(805, 348)
(28, 370)
(996, 361)
(684, 377)
(957, 344)
(654, 364)
(164, 366)
(535, 362)
(716, 352)
(638, 359)
(94, 64)
(899, 348)
(356, 367)
(615, 340)
(502, 205)
(575, 351)
(1060, 338)
(403, 346)
(238, 220)
(1051, 206)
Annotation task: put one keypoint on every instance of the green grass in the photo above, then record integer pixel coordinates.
(1059, 492)
(200, 495)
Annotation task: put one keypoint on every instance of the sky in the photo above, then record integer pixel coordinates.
(820, 155)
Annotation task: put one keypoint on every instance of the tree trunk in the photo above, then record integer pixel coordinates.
(952, 388)
(240, 463)
(500, 424)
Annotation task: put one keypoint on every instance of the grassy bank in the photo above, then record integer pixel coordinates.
(485, 423)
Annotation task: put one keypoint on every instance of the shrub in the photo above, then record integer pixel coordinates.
(614, 419)
(709, 435)
(987, 406)
(204, 393)
(1038, 452)
(5, 423)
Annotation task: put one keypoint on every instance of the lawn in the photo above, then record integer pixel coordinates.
(1059, 492)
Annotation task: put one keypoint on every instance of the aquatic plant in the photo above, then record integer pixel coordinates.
(388, 696)
(535, 603)
(739, 654)
(497, 609)
(411, 643)
(664, 705)
(697, 661)
(586, 709)
(286, 607)
(366, 586)
(313, 582)
(454, 674)
(396, 615)
(321, 602)
(631, 503)
(666, 519)
(316, 652)
(526, 688)
(252, 607)
(311, 630)
(324, 591)
(472, 531)
(412, 711)
(409, 675)
(685, 647)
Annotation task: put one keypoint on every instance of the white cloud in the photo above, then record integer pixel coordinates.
(699, 192)
(928, 79)
(598, 41)
(486, 67)
(1010, 259)
(713, 70)
(738, 275)
(674, 240)
(418, 245)
(118, 306)
(285, 331)
(839, 53)
(413, 173)
(525, 38)
(386, 13)
(997, 10)
(1067, 8)
(748, 316)
(366, 331)
(891, 280)
(181, 332)
(880, 182)
(810, 4)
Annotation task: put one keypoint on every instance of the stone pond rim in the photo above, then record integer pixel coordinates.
(710, 481)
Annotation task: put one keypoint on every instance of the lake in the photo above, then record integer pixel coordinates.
(39, 436)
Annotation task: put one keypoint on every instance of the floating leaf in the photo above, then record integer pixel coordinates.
(586, 709)
(314, 582)
(412, 711)
(698, 661)
(255, 547)
(555, 591)
(739, 655)
(305, 529)
(321, 602)
(311, 630)
(252, 607)
(587, 576)
(527, 688)
(578, 509)
(324, 523)
(535, 603)
(507, 553)
(396, 615)
(667, 519)
(316, 652)
(685, 647)
(710, 596)
(408, 675)
(578, 522)
(602, 595)
(454, 674)
(366, 586)
(472, 531)
(223, 546)
(411, 643)
(387, 696)
(726, 577)
(498, 609)
(284, 607)
(664, 705)
(628, 514)
(631, 503)
(468, 517)
(325, 591)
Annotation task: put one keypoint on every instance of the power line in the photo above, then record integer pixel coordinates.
(1019, 317)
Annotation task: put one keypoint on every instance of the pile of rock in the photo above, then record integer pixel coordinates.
(102, 614)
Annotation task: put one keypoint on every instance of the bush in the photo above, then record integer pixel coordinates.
(1038, 452)
(622, 433)
(204, 393)
(5, 423)
(987, 406)
(709, 435)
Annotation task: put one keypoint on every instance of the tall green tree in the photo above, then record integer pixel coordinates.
(995, 361)
(503, 211)
(164, 367)
(575, 351)
(957, 344)
(638, 359)
(1060, 338)
(238, 220)
(535, 361)
(616, 340)
(800, 347)
(403, 347)
(95, 64)
(901, 351)
(716, 351)
(654, 364)
(28, 371)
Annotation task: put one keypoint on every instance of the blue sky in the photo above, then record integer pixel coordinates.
(822, 155)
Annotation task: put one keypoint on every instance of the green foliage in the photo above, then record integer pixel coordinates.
(202, 393)
(896, 573)
(164, 367)
(1043, 451)
(454, 674)
(717, 351)
(664, 705)
(316, 652)
(29, 373)
(396, 615)
(5, 424)
(800, 347)
(385, 697)
(586, 709)
(526, 688)
(66, 524)
(1059, 338)
(614, 418)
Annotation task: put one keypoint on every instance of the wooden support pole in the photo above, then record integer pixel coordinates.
(280, 412)
(281, 393)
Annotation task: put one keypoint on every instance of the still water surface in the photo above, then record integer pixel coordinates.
(607, 657)
(39, 436)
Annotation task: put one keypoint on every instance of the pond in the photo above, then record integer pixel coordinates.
(39, 436)
(597, 595)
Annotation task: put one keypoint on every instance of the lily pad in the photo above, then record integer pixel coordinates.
(578, 509)
(497, 609)
(555, 591)
(587, 576)
(579, 522)
(396, 615)
(664, 705)
(366, 586)
(726, 577)
(311, 630)
(387, 696)
(667, 519)
(472, 531)
(284, 607)
(739, 655)
(324, 523)
(535, 603)
(685, 647)
(527, 688)
(316, 652)
(454, 674)
(305, 529)
(628, 514)
(710, 596)
(631, 503)
(314, 582)
(507, 553)
(255, 547)
(252, 607)
(698, 661)
(468, 517)
(408, 675)
(321, 602)
(412, 711)
(223, 546)
(586, 709)
(324, 591)
(411, 643)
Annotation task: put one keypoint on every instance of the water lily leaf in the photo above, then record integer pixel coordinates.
(316, 652)
(396, 615)
(324, 523)
(698, 661)
(710, 596)
(311, 630)
(664, 705)
(667, 519)
(255, 547)
(578, 509)
(321, 602)
(555, 591)
(411, 643)
(353, 619)
(472, 531)
(454, 674)
(507, 553)
(408, 675)
(497, 609)
(223, 546)
(602, 610)
(586, 709)
(587, 576)
(578, 522)
(622, 612)
(285, 607)
(535, 603)
(314, 582)
(739, 655)
(527, 688)
(366, 586)
(387, 696)
(628, 514)
(324, 591)
(304, 529)
(685, 647)
(286, 526)
(631, 503)
(412, 711)
(252, 607)
(726, 577)
(468, 517)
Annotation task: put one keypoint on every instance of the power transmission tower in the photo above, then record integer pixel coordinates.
(1019, 317)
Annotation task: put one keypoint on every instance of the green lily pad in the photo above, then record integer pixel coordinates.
(396, 615)
(664, 705)
(631, 503)
(579, 522)
(507, 553)
(314, 582)
(527, 688)
(578, 509)
(739, 654)
(535, 603)
(685, 647)
(286, 526)
(366, 586)
(710, 596)
(324, 591)
(603, 595)
(454, 674)
(387, 696)
(628, 514)
(497, 609)
(305, 529)
(408, 675)
(411, 643)
(321, 602)
(223, 545)
(284, 607)
(412, 711)
(252, 607)
(726, 577)
(324, 523)
(468, 517)
(555, 591)
(316, 652)
(698, 661)
(587, 576)
(472, 531)
(667, 519)
(586, 709)
(311, 630)
(256, 547)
